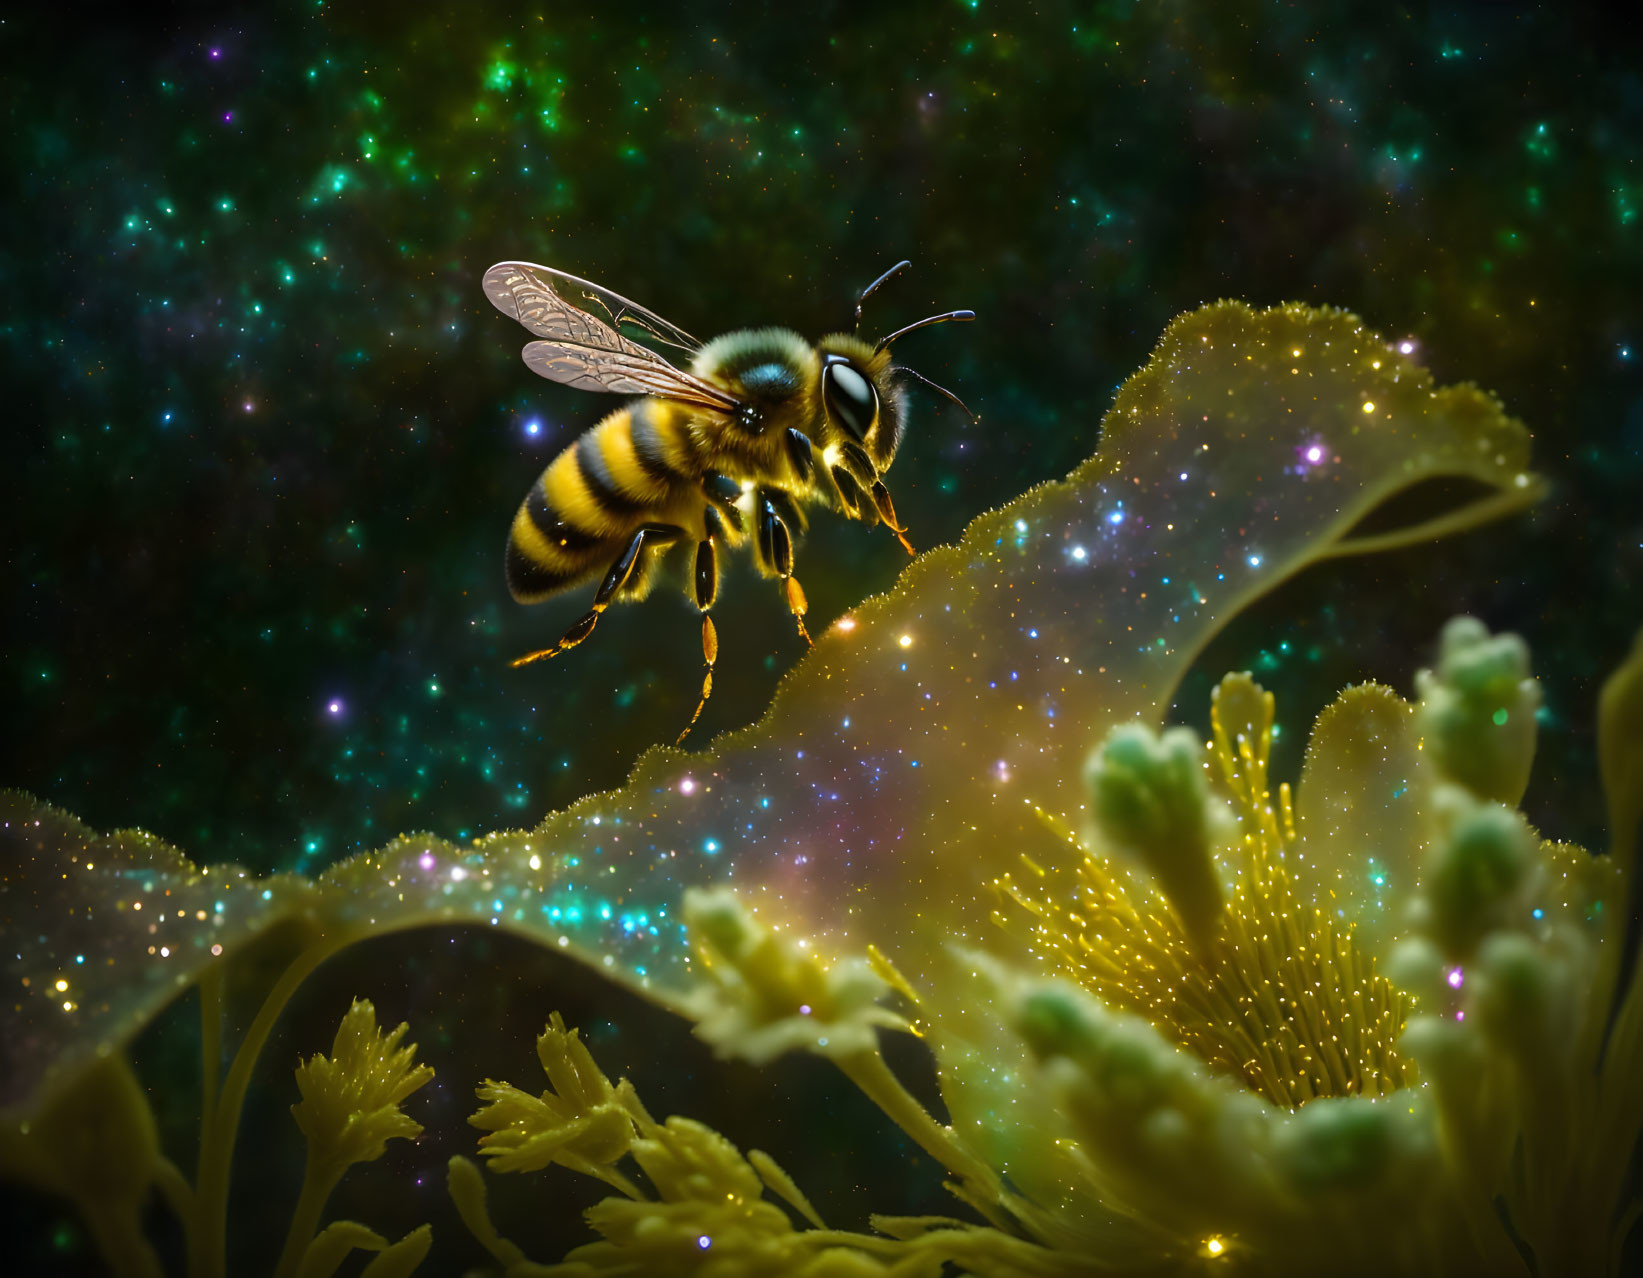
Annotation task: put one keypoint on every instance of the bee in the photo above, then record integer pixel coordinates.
(726, 451)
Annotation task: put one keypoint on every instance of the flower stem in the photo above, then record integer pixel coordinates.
(208, 1241)
(317, 1185)
(210, 1037)
(868, 1072)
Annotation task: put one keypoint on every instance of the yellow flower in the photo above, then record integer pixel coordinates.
(1374, 1030)
(702, 1210)
(766, 993)
(582, 1121)
(350, 1100)
(349, 1112)
(1264, 987)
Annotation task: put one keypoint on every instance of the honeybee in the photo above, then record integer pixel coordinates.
(727, 451)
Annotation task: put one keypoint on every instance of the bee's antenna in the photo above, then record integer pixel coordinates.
(940, 390)
(872, 288)
(923, 323)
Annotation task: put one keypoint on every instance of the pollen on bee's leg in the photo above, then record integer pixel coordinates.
(887, 512)
(710, 654)
(798, 605)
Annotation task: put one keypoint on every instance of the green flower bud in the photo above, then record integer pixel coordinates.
(1449, 1052)
(1517, 994)
(717, 917)
(1417, 965)
(1112, 1063)
(1477, 711)
(1151, 799)
(98, 1136)
(95, 1141)
(1345, 1144)
(1057, 1020)
(1476, 874)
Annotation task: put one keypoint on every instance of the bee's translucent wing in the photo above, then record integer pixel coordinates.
(572, 364)
(584, 350)
(537, 295)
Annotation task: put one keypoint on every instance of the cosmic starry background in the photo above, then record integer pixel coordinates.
(265, 434)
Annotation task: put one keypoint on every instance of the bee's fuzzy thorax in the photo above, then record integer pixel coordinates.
(777, 374)
(727, 358)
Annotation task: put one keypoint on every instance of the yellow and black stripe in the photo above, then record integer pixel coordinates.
(580, 513)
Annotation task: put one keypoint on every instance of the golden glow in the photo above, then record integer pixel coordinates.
(906, 641)
(1369, 406)
(1214, 1246)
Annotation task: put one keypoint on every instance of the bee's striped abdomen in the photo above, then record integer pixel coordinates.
(580, 512)
(545, 553)
(662, 445)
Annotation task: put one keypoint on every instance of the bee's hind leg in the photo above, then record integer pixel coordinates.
(773, 509)
(706, 581)
(621, 572)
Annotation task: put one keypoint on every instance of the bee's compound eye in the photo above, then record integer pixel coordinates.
(850, 398)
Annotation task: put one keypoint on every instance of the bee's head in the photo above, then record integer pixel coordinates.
(861, 391)
(861, 404)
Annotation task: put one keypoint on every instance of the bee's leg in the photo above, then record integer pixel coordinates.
(887, 512)
(811, 472)
(706, 579)
(852, 497)
(859, 466)
(615, 579)
(858, 463)
(722, 494)
(787, 510)
(776, 549)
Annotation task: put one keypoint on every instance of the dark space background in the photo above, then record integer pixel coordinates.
(265, 435)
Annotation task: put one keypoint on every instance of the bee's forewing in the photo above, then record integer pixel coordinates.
(553, 304)
(584, 351)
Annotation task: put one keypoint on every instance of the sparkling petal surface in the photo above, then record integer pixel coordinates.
(1362, 812)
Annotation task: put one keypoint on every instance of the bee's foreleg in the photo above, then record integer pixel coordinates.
(887, 512)
(858, 463)
(706, 580)
(776, 549)
(851, 496)
(618, 576)
(863, 479)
